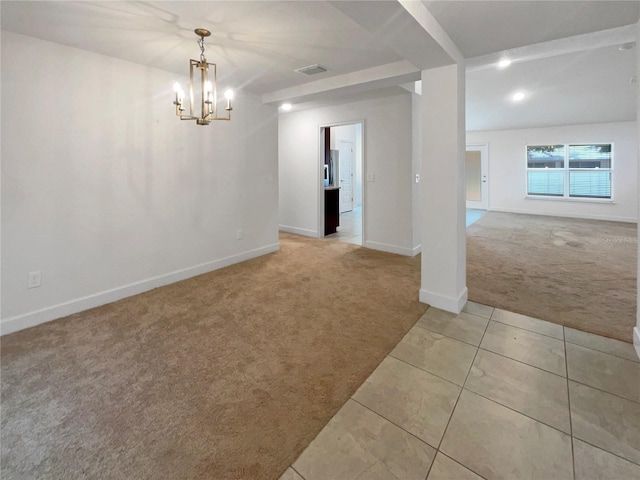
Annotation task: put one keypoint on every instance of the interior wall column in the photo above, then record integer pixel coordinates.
(636, 330)
(442, 197)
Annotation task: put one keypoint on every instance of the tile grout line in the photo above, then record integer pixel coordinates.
(301, 476)
(456, 404)
(462, 389)
(487, 350)
(531, 331)
(519, 412)
(483, 396)
(521, 362)
(394, 423)
(464, 466)
(607, 451)
(445, 335)
(423, 370)
(561, 376)
(566, 366)
(602, 351)
(603, 391)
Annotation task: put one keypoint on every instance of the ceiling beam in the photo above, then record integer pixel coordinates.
(431, 26)
(409, 30)
(387, 75)
(562, 46)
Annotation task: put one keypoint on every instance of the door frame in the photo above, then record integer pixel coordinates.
(320, 172)
(352, 164)
(483, 148)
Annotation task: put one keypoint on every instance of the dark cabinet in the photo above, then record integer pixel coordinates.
(331, 210)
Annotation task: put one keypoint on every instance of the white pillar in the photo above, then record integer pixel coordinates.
(636, 330)
(442, 192)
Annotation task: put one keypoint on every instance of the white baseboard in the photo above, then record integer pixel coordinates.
(450, 304)
(31, 319)
(383, 247)
(636, 340)
(607, 218)
(298, 231)
(416, 250)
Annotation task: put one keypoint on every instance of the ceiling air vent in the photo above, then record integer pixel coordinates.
(312, 69)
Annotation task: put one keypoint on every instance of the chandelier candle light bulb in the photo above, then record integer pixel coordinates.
(208, 89)
(229, 96)
(179, 96)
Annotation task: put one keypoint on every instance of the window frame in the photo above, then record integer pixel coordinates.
(566, 171)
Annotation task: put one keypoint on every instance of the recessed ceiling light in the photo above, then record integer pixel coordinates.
(504, 63)
(286, 107)
(518, 96)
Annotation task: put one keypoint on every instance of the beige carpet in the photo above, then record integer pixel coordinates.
(227, 375)
(579, 273)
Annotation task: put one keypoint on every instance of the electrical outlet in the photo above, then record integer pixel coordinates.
(371, 177)
(269, 177)
(239, 235)
(34, 279)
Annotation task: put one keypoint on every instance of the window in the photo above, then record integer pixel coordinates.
(570, 171)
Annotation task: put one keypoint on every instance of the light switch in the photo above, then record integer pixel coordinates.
(269, 177)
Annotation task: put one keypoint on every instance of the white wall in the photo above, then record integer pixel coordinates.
(387, 202)
(108, 194)
(507, 169)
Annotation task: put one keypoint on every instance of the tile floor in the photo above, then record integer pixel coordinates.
(350, 229)
(487, 394)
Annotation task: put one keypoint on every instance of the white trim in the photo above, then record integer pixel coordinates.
(570, 199)
(417, 250)
(384, 247)
(636, 340)
(608, 218)
(298, 231)
(31, 319)
(450, 304)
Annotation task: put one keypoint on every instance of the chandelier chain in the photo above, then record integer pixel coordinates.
(201, 45)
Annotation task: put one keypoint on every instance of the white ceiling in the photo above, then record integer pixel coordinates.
(591, 86)
(481, 27)
(258, 44)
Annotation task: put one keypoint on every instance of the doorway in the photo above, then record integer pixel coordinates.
(344, 165)
(476, 173)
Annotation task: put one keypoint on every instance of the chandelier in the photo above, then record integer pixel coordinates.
(208, 94)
